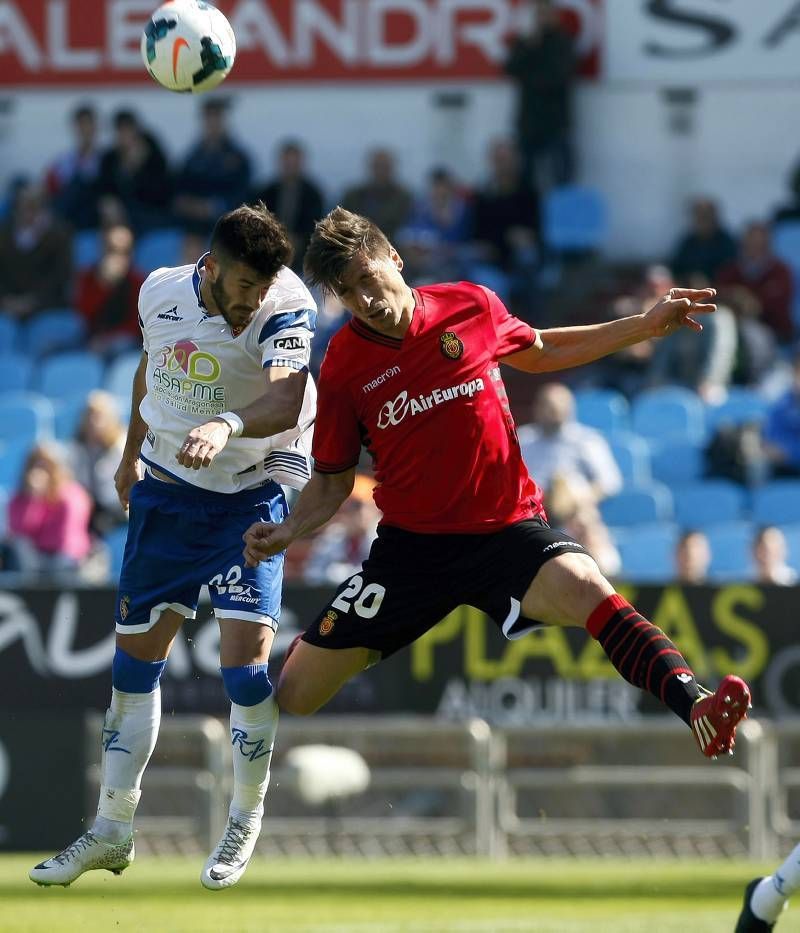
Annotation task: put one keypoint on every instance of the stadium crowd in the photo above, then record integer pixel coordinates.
(673, 459)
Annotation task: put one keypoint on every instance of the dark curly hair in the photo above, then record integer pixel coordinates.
(336, 239)
(254, 236)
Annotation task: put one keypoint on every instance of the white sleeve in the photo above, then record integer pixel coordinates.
(285, 336)
(146, 306)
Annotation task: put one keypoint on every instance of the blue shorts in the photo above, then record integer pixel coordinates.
(181, 537)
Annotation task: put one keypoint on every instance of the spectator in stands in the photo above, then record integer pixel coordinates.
(692, 558)
(768, 278)
(95, 455)
(587, 526)
(541, 60)
(293, 197)
(432, 243)
(556, 446)
(48, 516)
(72, 180)
(781, 432)
(629, 371)
(107, 294)
(214, 176)
(769, 557)
(756, 347)
(135, 183)
(505, 229)
(35, 257)
(343, 544)
(706, 247)
(381, 197)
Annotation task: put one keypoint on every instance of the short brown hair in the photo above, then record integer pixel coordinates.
(254, 236)
(337, 238)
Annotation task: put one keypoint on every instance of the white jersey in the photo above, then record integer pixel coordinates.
(196, 369)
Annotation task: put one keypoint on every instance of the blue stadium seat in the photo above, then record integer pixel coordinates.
(731, 557)
(777, 502)
(792, 535)
(25, 417)
(647, 552)
(70, 374)
(59, 329)
(575, 219)
(669, 413)
(677, 462)
(741, 406)
(67, 417)
(708, 502)
(119, 375)
(15, 372)
(604, 409)
(632, 454)
(86, 248)
(158, 248)
(115, 542)
(13, 454)
(652, 503)
(9, 334)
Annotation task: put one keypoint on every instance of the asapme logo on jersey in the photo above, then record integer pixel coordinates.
(184, 376)
(394, 411)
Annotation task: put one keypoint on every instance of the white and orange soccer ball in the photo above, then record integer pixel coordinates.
(188, 46)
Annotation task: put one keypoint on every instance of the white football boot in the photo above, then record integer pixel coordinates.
(227, 863)
(85, 854)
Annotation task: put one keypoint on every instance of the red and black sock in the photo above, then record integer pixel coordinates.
(643, 654)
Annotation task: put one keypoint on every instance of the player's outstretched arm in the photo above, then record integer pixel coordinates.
(129, 470)
(317, 503)
(564, 347)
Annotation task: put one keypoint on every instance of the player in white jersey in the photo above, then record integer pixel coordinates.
(221, 414)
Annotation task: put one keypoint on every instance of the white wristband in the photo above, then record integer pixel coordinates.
(234, 422)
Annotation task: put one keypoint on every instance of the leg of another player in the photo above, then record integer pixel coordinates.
(570, 590)
(766, 898)
(244, 653)
(311, 676)
(130, 730)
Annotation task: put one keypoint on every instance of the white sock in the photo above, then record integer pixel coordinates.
(130, 731)
(772, 893)
(253, 731)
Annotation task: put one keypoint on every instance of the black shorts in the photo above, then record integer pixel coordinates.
(411, 581)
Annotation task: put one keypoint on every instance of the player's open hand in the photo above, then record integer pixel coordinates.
(203, 443)
(128, 473)
(263, 540)
(680, 309)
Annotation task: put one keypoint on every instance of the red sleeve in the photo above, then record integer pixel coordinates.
(337, 438)
(512, 334)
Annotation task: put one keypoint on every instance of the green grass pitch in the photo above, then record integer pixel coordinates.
(163, 895)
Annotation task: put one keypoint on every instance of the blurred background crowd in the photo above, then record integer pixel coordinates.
(675, 459)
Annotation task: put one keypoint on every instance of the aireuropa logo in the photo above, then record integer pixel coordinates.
(394, 411)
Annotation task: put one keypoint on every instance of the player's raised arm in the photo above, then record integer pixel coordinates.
(129, 470)
(317, 503)
(564, 347)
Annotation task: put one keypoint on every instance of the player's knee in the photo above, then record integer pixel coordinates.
(247, 684)
(132, 675)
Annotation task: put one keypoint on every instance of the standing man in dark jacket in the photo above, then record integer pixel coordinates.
(542, 62)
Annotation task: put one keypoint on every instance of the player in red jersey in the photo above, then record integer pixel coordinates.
(414, 378)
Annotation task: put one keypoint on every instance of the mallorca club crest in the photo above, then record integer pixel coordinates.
(328, 621)
(124, 607)
(451, 346)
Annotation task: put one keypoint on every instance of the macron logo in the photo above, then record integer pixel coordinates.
(170, 315)
(379, 380)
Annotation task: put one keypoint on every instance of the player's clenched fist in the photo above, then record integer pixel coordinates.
(263, 540)
(203, 443)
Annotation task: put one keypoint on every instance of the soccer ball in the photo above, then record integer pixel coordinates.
(188, 46)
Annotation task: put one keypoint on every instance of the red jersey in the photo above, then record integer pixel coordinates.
(432, 411)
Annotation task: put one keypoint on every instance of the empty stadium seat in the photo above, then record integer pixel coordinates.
(603, 409)
(70, 374)
(13, 454)
(119, 375)
(158, 248)
(677, 462)
(652, 503)
(741, 406)
(59, 329)
(575, 219)
(15, 372)
(669, 413)
(86, 248)
(25, 417)
(9, 334)
(731, 544)
(708, 502)
(647, 552)
(632, 454)
(777, 502)
(67, 417)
